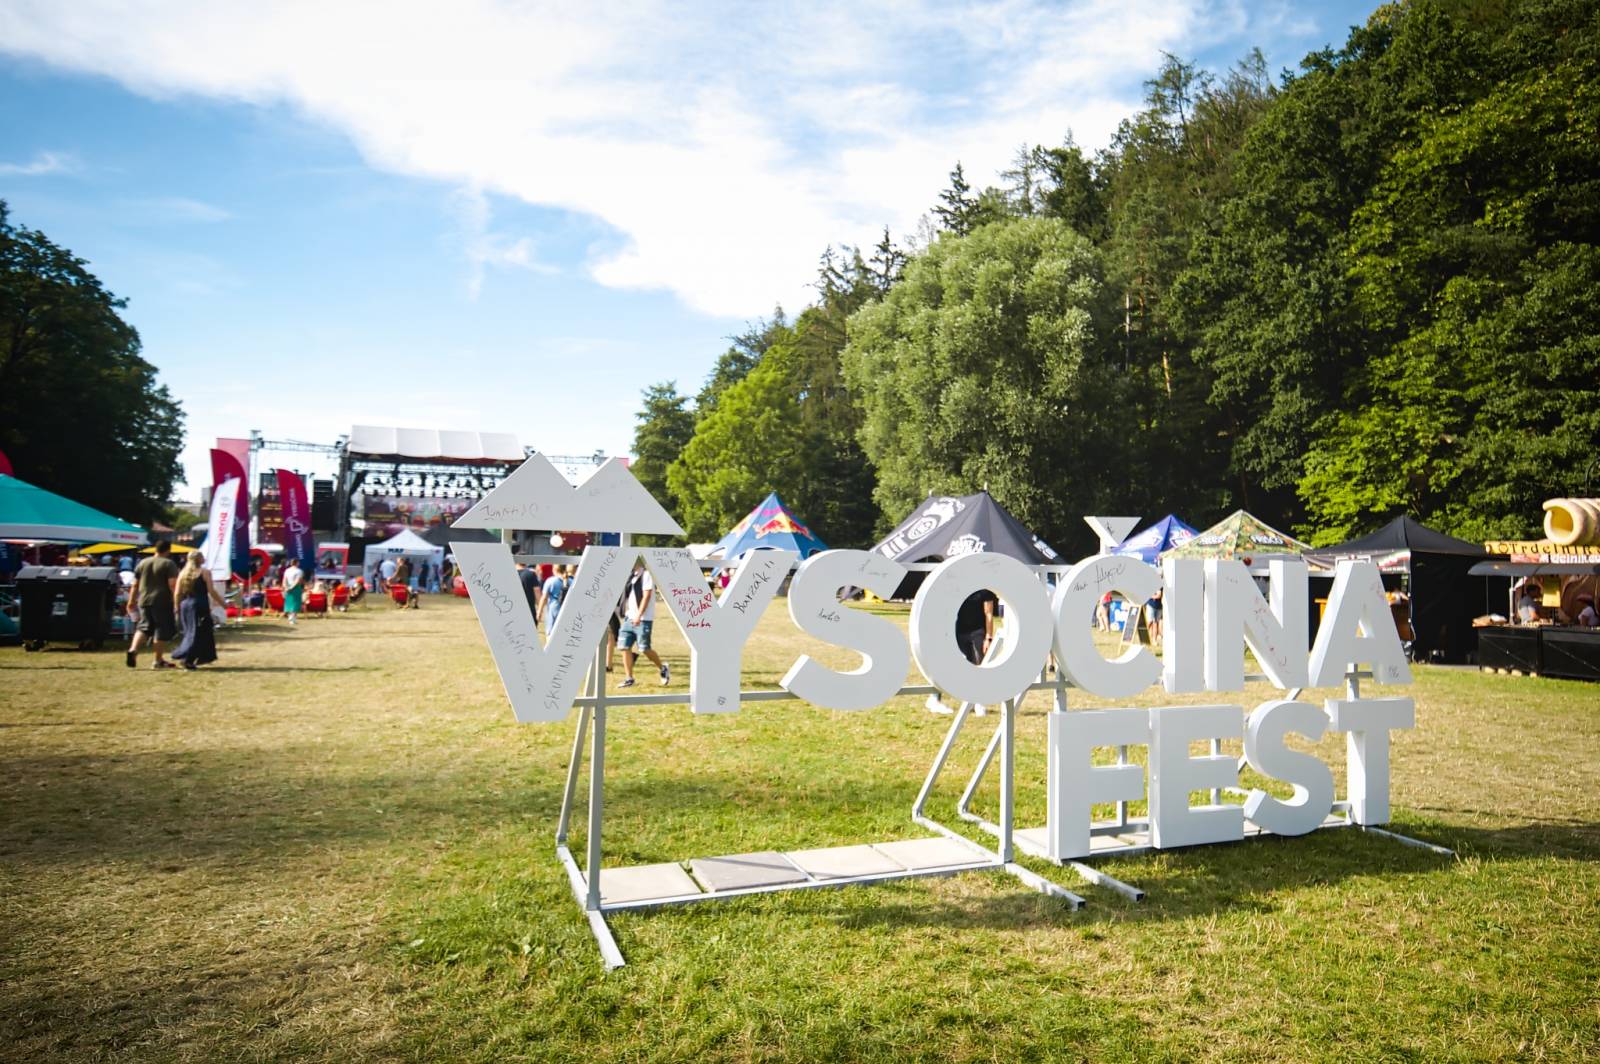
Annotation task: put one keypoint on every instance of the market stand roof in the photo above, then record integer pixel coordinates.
(946, 526)
(1148, 544)
(1240, 535)
(1401, 534)
(770, 524)
(28, 512)
(434, 445)
(406, 541)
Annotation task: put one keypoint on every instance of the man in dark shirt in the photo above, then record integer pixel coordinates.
(529, 578)
(975, 624)
(154, 584)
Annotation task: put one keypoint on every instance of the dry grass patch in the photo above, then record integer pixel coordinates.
(337, 845)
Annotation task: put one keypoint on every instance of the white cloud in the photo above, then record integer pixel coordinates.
(165, 209)
(45, 162)
(726, 143)
(483, 248)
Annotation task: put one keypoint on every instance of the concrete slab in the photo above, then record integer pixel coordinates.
(839, 862)
(742, 870)
(645, 882)
(937, 852)
(1109, 843)
(1034, 840)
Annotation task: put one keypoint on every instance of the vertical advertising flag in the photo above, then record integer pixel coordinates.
(225, 465)
(224, 503)
(297, 540)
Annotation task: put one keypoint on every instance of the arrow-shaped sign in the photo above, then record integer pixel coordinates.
(1111, 530)
(536, 496)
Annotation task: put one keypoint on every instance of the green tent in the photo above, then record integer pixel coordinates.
(1243, 536)
(31, 513)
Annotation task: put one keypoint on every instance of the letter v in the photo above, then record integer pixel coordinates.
(540, 686)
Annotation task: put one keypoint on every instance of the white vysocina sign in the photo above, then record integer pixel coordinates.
(1213, 610)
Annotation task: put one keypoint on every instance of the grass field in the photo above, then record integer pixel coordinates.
(336, 844)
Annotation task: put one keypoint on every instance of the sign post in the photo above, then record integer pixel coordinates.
(1213, 612)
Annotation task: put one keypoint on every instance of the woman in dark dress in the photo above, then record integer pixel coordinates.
(196, 593)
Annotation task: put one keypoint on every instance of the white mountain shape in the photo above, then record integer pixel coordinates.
(537, 497)
(1112, 530)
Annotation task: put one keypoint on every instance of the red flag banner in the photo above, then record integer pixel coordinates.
(225, 466)
(297, 539)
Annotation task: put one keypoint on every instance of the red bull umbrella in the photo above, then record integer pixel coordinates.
(770, 524)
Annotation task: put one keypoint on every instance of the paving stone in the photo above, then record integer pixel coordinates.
(741, 870)
(838, 862)
(937, 852)
(1035, 840)
(645, 882)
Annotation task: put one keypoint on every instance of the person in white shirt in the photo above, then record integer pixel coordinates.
(1587, 615)
(638, 617)
(294, 587)
(386, 570)
(1527, 605)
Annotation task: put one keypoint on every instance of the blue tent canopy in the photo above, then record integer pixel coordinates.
(769, 525)
(31, 513)
(1164, 534)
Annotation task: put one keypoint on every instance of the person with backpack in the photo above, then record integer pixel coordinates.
(638, 617)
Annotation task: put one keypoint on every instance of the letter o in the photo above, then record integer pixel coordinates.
(1028, 628)
(1076, 653)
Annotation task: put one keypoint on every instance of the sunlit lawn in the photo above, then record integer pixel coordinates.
(338, 845)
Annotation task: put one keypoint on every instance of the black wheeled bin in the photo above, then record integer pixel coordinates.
(66, 604)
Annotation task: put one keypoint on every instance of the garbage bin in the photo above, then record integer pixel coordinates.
(66, 605)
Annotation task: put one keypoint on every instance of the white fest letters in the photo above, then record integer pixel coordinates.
(1212, 608)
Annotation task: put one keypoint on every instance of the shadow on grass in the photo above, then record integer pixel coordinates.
(289, 668)
(250, 806)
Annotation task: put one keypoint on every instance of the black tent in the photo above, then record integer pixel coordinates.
(1444, 597)
(946, 526)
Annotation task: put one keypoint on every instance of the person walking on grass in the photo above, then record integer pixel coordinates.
(528, 577)
(196, 593)
(155, 581)
(294, 589)
(555, 593)
(637, 619)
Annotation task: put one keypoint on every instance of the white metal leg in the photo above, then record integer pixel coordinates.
(572, 776)
(1408, 840)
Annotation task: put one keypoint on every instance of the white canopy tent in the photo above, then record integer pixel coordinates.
(403, 544)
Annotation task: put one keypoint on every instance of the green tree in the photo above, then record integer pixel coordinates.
(1471, 258)
(1268, 300)
(665, 426)
(744, 353)
(977, 370)
(1149, 198)
(748, 445)
(80, 413)
(1067, 185)
(797, 392)
(960, 211)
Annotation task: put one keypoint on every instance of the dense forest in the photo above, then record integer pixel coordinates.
(1364, 288)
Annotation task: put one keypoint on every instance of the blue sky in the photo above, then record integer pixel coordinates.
(510, 216)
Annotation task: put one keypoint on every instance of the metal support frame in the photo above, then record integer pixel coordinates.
(1122, 824)
(586, 882)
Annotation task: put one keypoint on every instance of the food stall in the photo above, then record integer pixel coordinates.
(1562, 576)
(1434, 572)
